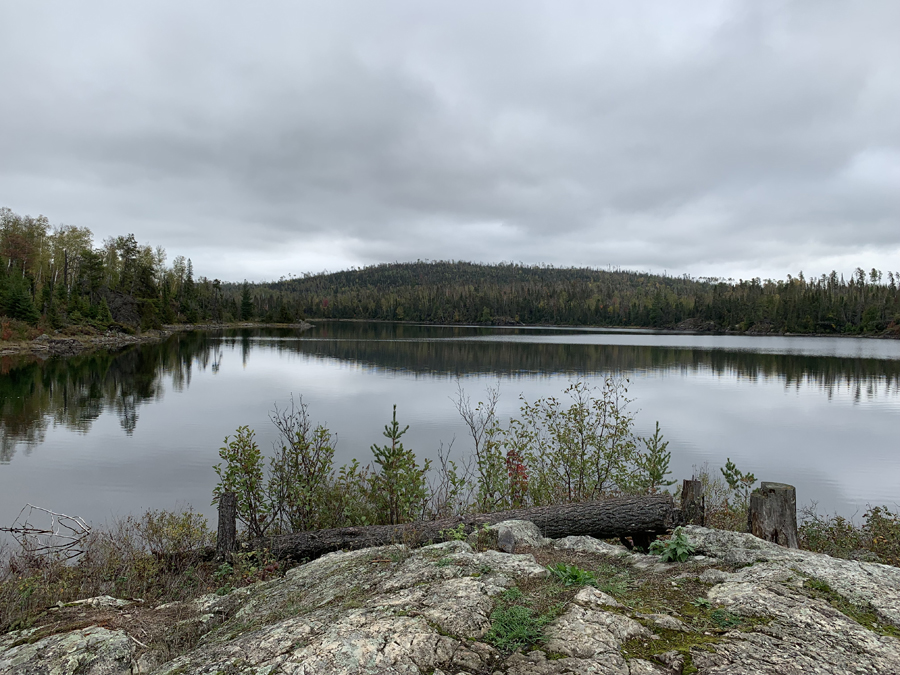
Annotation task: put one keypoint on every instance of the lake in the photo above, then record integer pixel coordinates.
(106, 435)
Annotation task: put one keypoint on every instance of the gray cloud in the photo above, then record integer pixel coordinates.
(731, 138)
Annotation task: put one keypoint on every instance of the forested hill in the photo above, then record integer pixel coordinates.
(461, 292)
(55, 277)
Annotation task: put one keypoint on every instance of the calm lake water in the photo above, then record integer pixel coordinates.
(107, 435)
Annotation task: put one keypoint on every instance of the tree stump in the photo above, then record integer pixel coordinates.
(693, 503)
(226, 539)
(773, 514)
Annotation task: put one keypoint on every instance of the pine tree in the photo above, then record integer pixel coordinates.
(246, 302)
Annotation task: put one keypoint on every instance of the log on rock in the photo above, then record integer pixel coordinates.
(604, 519)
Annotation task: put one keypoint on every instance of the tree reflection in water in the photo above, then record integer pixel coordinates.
(75, 391)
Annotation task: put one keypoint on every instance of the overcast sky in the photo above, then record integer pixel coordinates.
(271, 138)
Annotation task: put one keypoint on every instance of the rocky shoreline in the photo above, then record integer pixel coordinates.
(60, 345)
(739, 606)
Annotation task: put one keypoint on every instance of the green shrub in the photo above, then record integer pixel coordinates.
(676, 548)
(883, 526)
(302, 471)
(727, 497)
(242, 474)
(580, 450)
(559, 450)
(877, 539)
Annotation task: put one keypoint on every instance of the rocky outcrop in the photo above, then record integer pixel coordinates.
(741, 605)
(697, 326)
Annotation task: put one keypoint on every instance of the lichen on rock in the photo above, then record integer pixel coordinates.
(746, 606)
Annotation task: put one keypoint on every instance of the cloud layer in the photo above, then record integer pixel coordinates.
(722, 138)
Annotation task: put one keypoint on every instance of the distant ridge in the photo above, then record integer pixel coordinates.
(513, 293)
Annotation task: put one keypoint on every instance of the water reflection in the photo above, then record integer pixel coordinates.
(75, 392)
(867, 376)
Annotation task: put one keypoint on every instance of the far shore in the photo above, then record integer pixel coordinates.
(61, 343)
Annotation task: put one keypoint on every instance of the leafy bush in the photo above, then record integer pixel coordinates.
(883, 526)
(580, 450)
(676, 548)
(243, 475)
(561, 450)
(302, 471)
(172, 536)
(877, 539)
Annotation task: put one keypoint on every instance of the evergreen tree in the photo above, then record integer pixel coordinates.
(104, 316)
(19, 304)
(246, 302)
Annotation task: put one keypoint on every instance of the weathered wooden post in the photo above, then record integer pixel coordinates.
(693, 503)
(773, 514)
(226, 539)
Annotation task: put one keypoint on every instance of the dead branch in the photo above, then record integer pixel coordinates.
(65, 536)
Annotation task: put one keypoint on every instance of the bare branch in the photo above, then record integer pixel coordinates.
(64, 537)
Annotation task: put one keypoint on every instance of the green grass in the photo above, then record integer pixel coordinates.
(572, 575)
(516, 627)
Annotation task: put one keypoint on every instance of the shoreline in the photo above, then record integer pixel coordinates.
(59, 345)
(672, 330)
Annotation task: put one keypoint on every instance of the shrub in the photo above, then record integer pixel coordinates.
(726, 506)
(157, 556)
(883, 526)
(675, 549)
(302, 471)
(571, 449)
(243, 475)
(877, 539)
(580, 450)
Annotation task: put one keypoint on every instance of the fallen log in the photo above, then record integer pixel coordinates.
(639, 517)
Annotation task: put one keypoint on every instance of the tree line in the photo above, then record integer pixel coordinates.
(462, 292)
(56, 276)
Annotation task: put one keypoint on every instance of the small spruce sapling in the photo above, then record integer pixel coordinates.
(652, 466)
(741, 483)
(400, 485)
